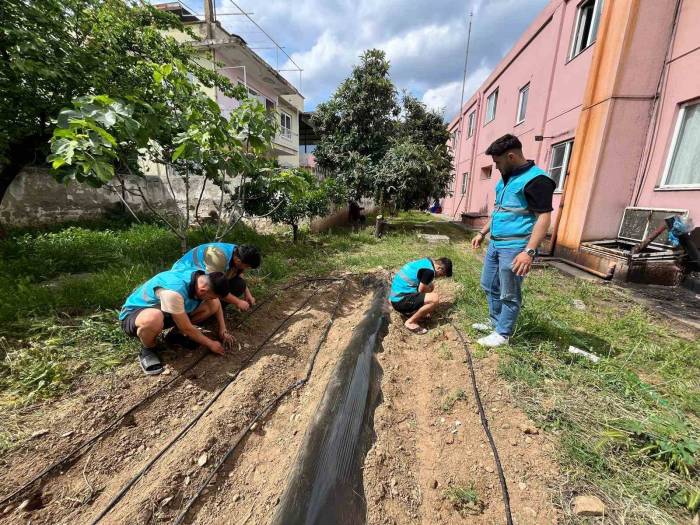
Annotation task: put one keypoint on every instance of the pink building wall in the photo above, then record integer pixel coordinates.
(680, 85)
(630, 169)
(556, 87)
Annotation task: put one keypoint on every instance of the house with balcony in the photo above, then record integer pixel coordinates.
(234, 59)
(605, 96)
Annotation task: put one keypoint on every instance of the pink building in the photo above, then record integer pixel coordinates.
(606, 97)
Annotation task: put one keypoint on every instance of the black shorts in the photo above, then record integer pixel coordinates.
(128, 324)
(409, 303)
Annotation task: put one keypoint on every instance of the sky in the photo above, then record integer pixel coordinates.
(425, 41)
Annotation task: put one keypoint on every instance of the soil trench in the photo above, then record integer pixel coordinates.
(430, 442)
(427, 441)
(250, 482)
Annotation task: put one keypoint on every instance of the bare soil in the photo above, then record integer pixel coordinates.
(423, 443)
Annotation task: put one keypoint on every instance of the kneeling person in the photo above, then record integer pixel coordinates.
(412, 290)
(232, 260)
(175, 298)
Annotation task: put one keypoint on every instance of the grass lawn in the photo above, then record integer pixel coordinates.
(628, 426)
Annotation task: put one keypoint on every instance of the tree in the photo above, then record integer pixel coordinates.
(53, 51)
(289, 196)
(357, 123)
(176, 126)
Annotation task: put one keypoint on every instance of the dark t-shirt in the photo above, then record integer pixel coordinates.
(426, 276)
(538, 192)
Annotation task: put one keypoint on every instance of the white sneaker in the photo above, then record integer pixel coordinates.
(493, 340)
(482, 327)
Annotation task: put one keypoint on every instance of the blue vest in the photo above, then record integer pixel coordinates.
(406, 279)
(194, 259)
(511, 222)
(145, 295)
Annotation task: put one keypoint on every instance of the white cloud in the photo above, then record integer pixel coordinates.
(448, 96)
(424, 41)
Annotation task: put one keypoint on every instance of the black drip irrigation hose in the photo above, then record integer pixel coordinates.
(264, 411)
(198, 416)
(82, 449)
(485, 424)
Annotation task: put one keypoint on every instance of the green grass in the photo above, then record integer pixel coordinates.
(464, 499)
(628, 427)
(451, 399)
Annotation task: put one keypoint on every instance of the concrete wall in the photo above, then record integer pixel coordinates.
(35, 198)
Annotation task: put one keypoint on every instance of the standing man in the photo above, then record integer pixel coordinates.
(413, 291)
(518, 224)
(230, 259)
(177, 299)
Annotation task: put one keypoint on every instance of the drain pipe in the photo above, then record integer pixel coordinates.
(325, 485)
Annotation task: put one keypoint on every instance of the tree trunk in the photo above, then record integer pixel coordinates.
(20, 154)
(295, 232)
(183, 244)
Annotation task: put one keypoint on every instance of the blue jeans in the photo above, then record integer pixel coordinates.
(502, 288)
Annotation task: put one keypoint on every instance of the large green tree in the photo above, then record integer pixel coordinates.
(357, 123)
(53, 51)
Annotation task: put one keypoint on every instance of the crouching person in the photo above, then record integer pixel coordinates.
(413, 290)
(178, 299)
(231, 259)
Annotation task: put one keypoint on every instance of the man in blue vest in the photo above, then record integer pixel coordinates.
(175, 299)
(230, 259)
(519, 223)
(413, 290)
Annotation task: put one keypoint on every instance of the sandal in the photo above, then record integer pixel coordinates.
(418, 330)
(150, 362)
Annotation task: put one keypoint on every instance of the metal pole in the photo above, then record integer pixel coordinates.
(460, 126)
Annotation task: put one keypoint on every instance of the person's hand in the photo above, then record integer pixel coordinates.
(243, 306)
(476, 241)
(521, 264)
(216, 347)
(227, 339)
(251, 299)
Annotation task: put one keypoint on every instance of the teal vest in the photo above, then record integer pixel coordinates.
(145, 295)
(406, 279)
(511, 221)
(194, 259)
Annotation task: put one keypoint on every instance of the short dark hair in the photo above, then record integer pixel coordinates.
(249, 255)
(504, 144)
(219, 284)
(446, 263)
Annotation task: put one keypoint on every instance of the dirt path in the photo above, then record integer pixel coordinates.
(428, 435)
(78, 494)
(429, 439)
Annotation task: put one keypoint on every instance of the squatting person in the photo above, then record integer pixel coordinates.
(518, 224)
(175, 299)
(413, 290)
(231, 259)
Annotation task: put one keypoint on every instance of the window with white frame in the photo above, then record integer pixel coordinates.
(465, 179)
(285, 125)
(471, 121)
(559, 163)
(491, 103)
(682, 165)
(586, 28)
(522, 103)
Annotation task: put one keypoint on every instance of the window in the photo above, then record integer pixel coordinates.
(465, 179)
(522, 103)
(486, 172)
(491, 103)
(559, 163)
(586, 29)
(286, 125)
(684, 155)
(470, 123)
